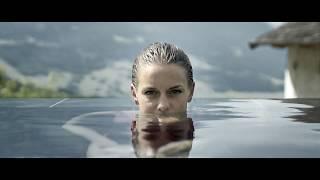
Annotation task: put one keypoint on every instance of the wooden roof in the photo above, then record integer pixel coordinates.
(293, 33)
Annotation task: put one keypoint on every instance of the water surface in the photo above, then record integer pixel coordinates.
(103, 128)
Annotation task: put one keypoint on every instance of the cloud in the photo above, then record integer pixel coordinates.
(204, 90)
(275, 24)
(8, 42)
(112, 80)
(54, 80)
(200, 63)
(10, 71)
(126, 40)
(246, 94)
(237, 52)
(86, 54)
(274, 81)
(33, 41)
(244, 73)
(29, 40)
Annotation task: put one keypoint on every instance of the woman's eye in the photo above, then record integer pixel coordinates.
(149, 92)
(175, 92)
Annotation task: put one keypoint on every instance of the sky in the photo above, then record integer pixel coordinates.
(94, 59)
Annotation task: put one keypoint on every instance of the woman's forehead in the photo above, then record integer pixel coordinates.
(162, 74)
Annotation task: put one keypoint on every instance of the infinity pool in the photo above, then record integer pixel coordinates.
(102, 127)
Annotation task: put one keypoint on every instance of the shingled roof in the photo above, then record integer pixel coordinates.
(293, 33)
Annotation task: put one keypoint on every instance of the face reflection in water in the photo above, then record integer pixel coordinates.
(166, 136)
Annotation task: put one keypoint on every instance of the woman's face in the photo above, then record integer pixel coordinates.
(162, 89)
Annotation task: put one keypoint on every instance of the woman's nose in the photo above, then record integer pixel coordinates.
(163, 105)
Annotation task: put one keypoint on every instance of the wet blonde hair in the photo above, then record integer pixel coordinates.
(162, 53)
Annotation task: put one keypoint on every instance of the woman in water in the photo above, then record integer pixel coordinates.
(162, 85)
